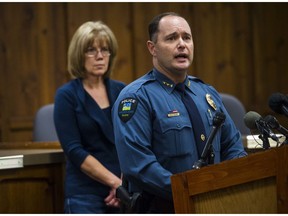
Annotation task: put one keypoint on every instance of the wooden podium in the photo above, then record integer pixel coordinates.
(257, 183)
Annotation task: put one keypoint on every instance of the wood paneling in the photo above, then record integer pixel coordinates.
(222, 49)
(33, 48)
(240, 48)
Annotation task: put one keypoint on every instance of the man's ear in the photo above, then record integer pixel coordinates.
(151, 47)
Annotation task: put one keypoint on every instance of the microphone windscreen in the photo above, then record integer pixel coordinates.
(250, 119)
(219, 118)
(272, 122)
(276, 101)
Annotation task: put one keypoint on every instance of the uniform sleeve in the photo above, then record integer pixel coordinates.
(132, 116)
(67, 127)
(231, 140)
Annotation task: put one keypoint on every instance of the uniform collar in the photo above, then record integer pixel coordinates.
(188, 85)
(168, 84)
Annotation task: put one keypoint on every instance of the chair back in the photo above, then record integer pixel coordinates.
(44, 128)
(237, 111)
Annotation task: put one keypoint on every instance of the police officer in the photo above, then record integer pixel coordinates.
(153, 132)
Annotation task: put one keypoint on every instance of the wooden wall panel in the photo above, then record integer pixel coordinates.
(222, 52)
(240, 48)
(270, 51)
(270, 37)
(31, 39)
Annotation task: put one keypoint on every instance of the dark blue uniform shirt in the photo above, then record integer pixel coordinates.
(153, 132)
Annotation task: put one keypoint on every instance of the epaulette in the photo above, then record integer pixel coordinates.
(195, 79)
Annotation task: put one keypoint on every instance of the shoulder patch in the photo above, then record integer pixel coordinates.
(127, 108)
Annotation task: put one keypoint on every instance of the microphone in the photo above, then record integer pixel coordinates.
(218, 120)
(274, 124)
(279, 103)
(254, 121)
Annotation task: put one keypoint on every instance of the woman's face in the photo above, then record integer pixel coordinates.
(97, 59)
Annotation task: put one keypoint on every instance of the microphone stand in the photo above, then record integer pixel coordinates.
(274, 124)
(265, 140)
(206, 158)
(211, 156)
(263, 135)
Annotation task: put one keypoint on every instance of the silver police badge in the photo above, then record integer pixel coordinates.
(211, 102)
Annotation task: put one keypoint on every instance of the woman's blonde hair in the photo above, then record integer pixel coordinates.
(83, 38)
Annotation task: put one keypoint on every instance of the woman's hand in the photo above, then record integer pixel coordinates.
(111, 199)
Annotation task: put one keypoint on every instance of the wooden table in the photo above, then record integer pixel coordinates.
(31, 177)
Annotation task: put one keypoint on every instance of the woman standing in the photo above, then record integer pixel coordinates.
(83, 121)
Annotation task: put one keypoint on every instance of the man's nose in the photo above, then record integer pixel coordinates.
(181, 43)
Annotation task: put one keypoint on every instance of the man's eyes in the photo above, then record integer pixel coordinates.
(185, 38)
